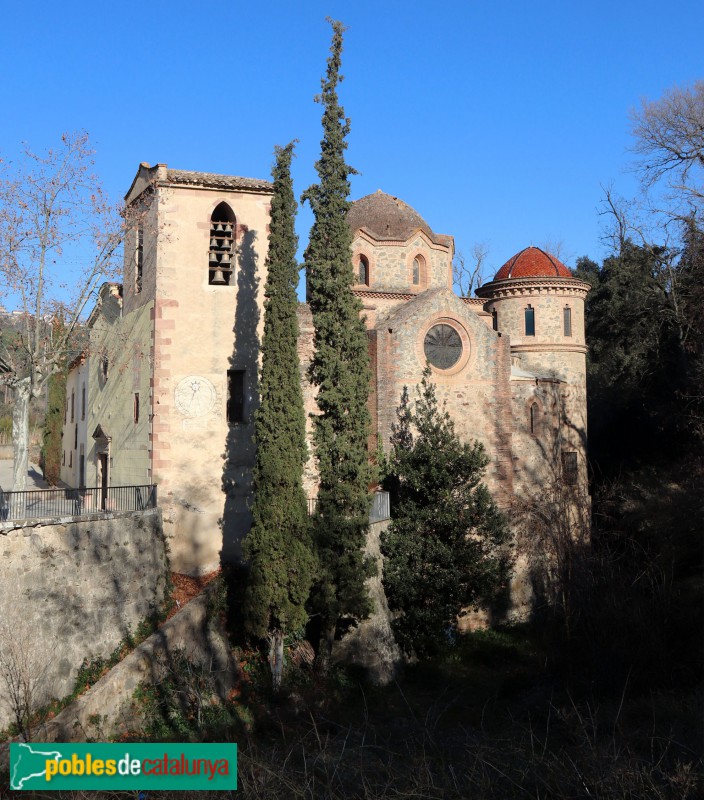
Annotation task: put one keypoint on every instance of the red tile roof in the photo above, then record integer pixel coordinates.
(532, 262)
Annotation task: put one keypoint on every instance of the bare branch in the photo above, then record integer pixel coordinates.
(669, 138)
(468, 274)
(53, 216)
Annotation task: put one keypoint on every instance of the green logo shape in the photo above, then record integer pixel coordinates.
(54, 766)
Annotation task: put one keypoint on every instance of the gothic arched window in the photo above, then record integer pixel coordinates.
(417, 270)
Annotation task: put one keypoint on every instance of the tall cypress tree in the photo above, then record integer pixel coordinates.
(278, 546)
(340, 369)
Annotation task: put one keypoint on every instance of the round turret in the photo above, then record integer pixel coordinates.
(535, 299)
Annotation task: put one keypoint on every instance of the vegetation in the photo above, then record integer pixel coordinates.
(340, 370)
(598, 696)
(50, 205)
(53, 426)
(447, 547)
(278, 547)
(646, 350)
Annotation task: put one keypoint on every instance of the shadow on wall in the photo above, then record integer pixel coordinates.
(242, 402)
(552, 522)
(78, 591)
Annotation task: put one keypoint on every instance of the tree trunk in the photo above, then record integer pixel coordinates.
(20, 434)
(276, 659)
(327, 640)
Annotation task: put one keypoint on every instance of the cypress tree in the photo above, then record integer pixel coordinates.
(278, 546)
(340, 370)
(53, 426)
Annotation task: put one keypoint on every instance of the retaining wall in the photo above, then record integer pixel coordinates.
(74, 590)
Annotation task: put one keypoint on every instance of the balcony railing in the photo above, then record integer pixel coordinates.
(50, 503)
(380, 510)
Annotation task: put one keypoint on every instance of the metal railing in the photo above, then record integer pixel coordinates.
(50, 503)
(380, 510)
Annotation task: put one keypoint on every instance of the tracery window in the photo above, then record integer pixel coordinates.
(442, 346)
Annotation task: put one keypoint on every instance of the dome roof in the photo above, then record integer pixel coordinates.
(532, 262)
(386, 217)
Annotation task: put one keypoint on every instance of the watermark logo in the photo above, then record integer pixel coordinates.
(54, 766)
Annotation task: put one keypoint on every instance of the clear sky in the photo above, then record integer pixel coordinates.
(497, 121)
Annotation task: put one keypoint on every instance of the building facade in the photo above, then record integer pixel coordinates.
(172, 369)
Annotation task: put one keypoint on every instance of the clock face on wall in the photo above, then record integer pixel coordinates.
(442, 346)
(194, 396)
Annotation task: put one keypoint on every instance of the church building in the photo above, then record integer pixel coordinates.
(171, 376)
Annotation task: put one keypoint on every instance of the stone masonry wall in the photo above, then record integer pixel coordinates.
(74, 590)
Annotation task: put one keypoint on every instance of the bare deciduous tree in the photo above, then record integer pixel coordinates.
(669, 138)
(53, 213)
(468, 273)
(23, 662)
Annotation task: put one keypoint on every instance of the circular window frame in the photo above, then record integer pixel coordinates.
(467, 348)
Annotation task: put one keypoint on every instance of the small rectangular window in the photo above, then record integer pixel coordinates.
(70, 458)
(63, 458)
(75, 438)
(83, 402)
(235, 396)
(73, 405)
(567, 316)
(136, 407)
(530, 321)
(569, 468)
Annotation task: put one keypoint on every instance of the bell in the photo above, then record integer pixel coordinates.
(213, 259)
(222, 243)
(213, 244)
(225, 258)
(227, 228)
(218, 227)
(218, 278)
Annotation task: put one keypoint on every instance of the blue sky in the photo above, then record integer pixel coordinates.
(497, 121)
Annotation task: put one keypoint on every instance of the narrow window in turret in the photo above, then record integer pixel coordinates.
(567, 318)
(495, 319)
(530, 321)
(416, 271)
(570, 472)
(534, 418)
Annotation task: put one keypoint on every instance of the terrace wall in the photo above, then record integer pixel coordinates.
(73, 591)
